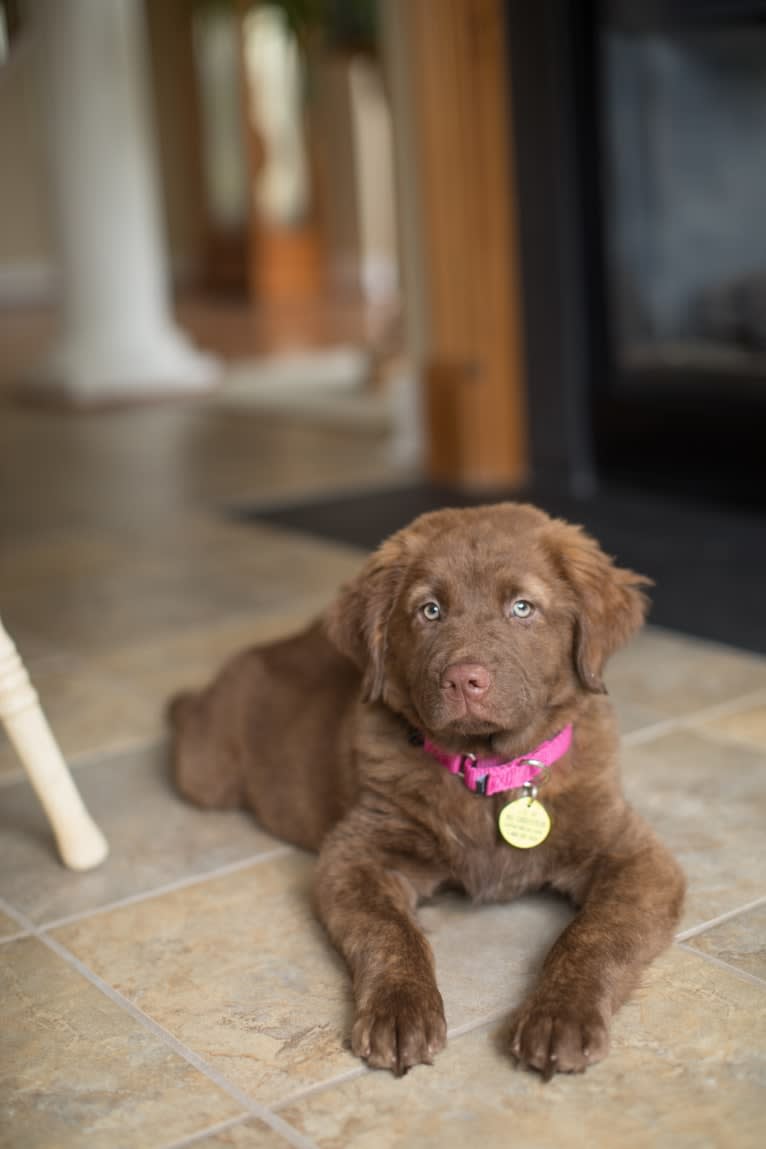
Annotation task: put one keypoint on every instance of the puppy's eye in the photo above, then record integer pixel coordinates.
(522, 609)
(431, 611)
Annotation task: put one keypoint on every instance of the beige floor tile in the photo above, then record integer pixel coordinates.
(662, 675)
(746, 726)
(63, 572)
(707, 803)
(76, 1070)
(139, 601)
(154, 837)
(678, 1076)
(158, 668)
(253, 549)
(61, 556)
(89, 712)
(740, 941)
(488, 956)
(250, 555)
(238, 969)
(239, 455)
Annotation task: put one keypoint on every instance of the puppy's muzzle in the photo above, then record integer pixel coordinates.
(464, 685)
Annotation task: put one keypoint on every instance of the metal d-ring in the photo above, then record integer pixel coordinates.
(463, 759)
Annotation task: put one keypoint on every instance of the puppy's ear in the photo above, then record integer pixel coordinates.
(357, 622)
(610, 604)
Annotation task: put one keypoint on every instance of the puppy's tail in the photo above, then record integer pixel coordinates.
(178, 707)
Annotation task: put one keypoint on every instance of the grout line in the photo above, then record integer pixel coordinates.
(648, 733)
(252, 1107)
(131, 745)
(716, 961)
(694, 931)
(472, 1026)
(210, 1131)
(694, 718)
(171, 887)
(729, 706)
(730, 741)
(20, 919)
(13, 937)
(248, 504)
(363, 1070)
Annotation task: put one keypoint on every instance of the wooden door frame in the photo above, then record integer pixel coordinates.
(473, 369)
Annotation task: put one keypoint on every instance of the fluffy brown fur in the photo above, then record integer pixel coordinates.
(314, 735)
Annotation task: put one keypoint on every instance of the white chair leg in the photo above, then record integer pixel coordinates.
(80, 842)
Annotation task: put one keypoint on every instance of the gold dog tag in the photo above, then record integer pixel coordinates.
(524, 823)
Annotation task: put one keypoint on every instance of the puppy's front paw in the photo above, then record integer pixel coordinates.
(400, 1026)
(558, 1038)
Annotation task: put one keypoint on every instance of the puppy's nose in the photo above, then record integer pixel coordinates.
(470, 679)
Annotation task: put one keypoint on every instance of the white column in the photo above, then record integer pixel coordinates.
(117, 338)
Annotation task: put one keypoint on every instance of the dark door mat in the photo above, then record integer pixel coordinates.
(708, 563)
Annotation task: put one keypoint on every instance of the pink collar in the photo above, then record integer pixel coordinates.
(491, 776)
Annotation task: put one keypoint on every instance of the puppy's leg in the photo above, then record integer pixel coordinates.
(366, 899)
(629, 911)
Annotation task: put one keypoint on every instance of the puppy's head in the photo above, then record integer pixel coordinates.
(472, 624)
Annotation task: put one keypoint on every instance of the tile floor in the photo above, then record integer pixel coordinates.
(183, 994)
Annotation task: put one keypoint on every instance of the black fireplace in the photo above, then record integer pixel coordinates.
(640, 138)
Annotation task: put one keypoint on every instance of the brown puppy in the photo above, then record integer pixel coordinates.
(483, 632)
